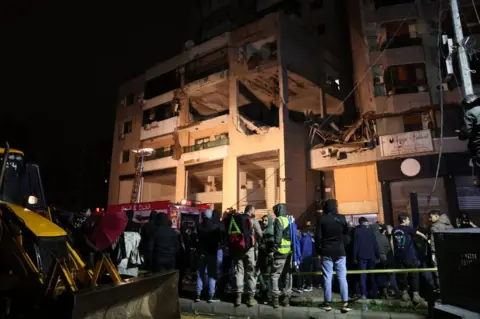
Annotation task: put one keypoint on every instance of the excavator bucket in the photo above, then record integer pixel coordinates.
(154, 296)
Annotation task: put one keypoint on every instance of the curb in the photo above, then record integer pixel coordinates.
(267, 312)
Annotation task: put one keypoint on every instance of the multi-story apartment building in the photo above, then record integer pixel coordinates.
(395, 54)
(226, 118)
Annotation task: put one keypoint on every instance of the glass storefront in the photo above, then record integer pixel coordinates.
(400, 193)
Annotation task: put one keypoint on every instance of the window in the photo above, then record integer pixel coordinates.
(398, 34)
(321, 29)
(125, 157)
(412, 122)
(127, 127)
(405, 79)
(162, 84)
(221, 136)
(130, 99)
(158, 113)
(202, 140)
(316, 4)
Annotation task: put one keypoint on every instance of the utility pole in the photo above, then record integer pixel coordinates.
(462, 55)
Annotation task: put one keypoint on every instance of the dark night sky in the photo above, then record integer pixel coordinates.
(60, 65)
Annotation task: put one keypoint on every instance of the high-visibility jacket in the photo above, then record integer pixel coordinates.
(286, 244)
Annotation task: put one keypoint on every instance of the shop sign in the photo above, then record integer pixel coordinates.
(406, 143)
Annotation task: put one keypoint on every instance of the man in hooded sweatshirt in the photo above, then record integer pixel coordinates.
(162, 250)
(282, 256)
(331, 228)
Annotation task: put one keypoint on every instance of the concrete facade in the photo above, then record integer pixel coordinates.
(225, 132)
(394, 49)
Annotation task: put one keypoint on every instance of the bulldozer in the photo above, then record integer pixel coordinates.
(41, 274)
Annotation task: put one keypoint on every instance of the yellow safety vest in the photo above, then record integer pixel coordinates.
(286, 244)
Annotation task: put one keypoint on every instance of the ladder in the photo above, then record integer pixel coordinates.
(137, 180)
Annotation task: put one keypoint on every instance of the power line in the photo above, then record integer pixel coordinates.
(440, 77)
(351, 92)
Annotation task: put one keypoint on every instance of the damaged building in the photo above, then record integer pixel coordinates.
(226, 118)
(391, 152)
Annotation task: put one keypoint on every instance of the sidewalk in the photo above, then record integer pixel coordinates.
(315, 297)
(267, 312)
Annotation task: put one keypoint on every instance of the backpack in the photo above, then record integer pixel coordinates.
(240, 233)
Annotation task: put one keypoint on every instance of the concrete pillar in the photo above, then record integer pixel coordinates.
(271, 187)
(181, 183)
(230, 182)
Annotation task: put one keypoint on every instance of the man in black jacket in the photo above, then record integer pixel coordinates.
(209, 239)
(331, 228)
(163, 248)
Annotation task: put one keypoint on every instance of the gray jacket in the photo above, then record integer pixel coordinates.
(471, 129)
(443, 223)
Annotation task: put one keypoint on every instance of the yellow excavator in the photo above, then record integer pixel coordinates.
(41, 274)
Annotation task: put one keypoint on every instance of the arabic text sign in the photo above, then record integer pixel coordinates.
(406, 143)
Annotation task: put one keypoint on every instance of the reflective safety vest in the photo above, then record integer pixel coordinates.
(286, 244)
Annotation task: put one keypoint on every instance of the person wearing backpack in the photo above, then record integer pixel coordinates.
(242, 233)
(282, 255)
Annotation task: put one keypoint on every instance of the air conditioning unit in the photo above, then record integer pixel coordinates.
(121, 136)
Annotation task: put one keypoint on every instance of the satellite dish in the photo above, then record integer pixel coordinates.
(189, 44)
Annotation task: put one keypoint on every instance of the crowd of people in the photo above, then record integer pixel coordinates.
(269, 259)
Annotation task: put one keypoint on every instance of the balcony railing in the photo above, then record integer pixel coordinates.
(159, 153)
(205, 146)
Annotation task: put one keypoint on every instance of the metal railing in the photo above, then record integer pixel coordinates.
(207, 145)
(159, 153)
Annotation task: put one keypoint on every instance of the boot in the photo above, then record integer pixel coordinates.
(251, 300)
(238, 299)
(286, 301)
(417, 299)
(405, 296)
(275, 302)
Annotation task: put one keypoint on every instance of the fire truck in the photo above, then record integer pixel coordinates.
(178, 213)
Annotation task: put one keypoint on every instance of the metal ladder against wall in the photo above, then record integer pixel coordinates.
(137, 180)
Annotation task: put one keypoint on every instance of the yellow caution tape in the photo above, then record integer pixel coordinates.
(373, 271)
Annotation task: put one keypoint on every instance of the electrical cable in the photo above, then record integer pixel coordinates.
(476, 12)
(439, 65)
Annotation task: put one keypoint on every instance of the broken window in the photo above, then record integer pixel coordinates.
(162, 84)
(125, 156)
(386, 3)
(206, 65)
(404, 79)
(158, 113)
(398, 34)
(127, 127)
(129, 99)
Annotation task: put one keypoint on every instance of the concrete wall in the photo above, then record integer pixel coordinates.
(156, 191)
(131, 141)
